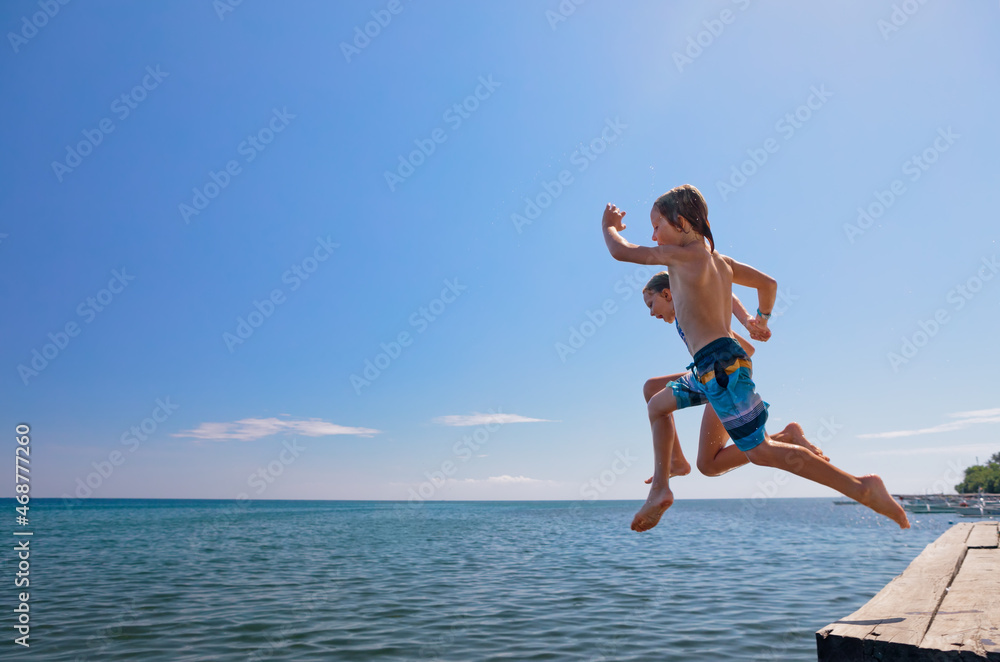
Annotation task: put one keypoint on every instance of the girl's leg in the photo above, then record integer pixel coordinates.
(716, 458)
(867, 490)
(793, 434)
(660, 408)
(654, 385)
(679, 466)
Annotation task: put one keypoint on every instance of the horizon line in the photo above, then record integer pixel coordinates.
(96, 499)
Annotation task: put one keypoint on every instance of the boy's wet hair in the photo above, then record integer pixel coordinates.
(686, 201)
(658, 283)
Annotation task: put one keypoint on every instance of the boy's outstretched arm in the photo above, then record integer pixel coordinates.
(623, 251)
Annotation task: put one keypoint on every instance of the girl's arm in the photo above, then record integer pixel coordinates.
(744, 343)
(740, 312)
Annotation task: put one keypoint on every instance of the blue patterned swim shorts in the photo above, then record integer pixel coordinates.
(723, 377)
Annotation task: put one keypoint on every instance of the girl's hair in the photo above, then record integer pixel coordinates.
(686, 201)
(658, 283)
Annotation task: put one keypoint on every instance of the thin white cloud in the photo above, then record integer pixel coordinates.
(938, 450)
(485, 419)
(963, 420)
(248, 429)
(501, 480)
(977, 413)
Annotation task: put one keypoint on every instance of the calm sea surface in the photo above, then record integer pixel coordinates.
(151, 580)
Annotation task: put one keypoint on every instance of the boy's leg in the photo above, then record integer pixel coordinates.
(714, 457)
(660, 407)
(679, 466)
(867, 490)
(730, 389)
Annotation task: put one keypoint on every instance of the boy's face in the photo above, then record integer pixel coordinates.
(665, 234)
(661, 305)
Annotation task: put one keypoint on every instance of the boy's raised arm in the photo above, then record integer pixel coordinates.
(624, 251)
(767, 289)
(744, 318)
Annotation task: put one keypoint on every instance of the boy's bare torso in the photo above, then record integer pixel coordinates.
(702, 287)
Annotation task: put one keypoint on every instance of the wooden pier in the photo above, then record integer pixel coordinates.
(945, 606)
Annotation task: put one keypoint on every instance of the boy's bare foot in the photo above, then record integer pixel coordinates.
(793, 434)
(878, 499)
(657, 502)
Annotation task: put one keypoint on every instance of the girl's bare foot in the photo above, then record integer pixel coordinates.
(659, 499)
(677, 468)
(793, 434)
(877, 498)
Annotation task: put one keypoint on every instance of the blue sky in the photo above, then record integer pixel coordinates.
(221, 216)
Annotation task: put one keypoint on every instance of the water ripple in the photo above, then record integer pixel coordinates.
(189, 580)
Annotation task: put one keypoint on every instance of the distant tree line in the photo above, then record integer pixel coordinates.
(986, 476)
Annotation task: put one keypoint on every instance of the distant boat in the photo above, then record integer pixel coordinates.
(931, 504)
(966, 505)
(975, 512)
(982, 509)
(845, 503)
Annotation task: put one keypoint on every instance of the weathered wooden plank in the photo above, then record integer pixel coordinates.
(968, 620)
(984, 534)
(897, 618)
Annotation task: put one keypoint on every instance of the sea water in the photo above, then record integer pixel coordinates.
(151, 580)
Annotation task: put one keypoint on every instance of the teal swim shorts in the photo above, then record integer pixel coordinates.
(688, 392)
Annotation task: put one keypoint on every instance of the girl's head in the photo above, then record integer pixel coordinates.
(682, 208)
(656, 294)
